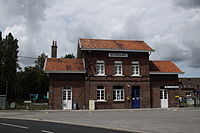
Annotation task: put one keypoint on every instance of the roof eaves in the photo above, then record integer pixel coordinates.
(125, 50)
(166, 73)
(62, 71)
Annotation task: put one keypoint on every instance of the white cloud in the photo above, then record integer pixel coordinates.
(171, 27)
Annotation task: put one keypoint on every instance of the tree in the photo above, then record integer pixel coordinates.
(33, 80)
(39, 63)
(71, 56)
(9, 51)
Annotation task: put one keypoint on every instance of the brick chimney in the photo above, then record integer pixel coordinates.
(54, 49)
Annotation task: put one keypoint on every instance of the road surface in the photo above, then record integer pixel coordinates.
(27, 126)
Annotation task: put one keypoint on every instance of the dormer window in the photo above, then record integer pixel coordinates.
(135, 68)
(100, 68)
(118, 68)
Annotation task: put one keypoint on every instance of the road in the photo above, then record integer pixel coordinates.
(27, 126)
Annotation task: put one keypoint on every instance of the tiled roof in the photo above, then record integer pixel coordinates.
(163, 67)
(61, 65)
(101, 44)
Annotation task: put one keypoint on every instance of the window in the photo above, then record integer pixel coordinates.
(100, 93)
(135, 68)
(118, 93)
(118, 68)
(100, 69)
(188, 94)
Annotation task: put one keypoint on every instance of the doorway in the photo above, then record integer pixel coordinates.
(164, 98)
(135, 96)
(67, 98)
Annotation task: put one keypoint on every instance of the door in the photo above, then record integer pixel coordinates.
(67, 99)
(164, 98)
(135, 97)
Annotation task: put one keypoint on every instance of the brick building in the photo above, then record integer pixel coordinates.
(112, 74)
(190, 90)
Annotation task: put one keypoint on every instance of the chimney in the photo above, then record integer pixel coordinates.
(54, 49)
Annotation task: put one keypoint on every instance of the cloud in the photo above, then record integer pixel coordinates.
(23, 18)
(173, 32)
(187, 3)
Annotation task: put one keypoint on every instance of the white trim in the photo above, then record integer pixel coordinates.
(62, 71)
(104, 91)
(118, 75)
(135, 64)
(84, 63)
(45, 64)
(166, 72)
(172, 86)
(118, 62)
(100, 61)
(107, 49)
(100, 75)
(118, 100)
(101, 101)
(135, 75)
(79, 41)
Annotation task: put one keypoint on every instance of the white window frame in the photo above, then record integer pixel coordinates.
(117, 65)
(101, 92)
(188, 94)
(135, 68)
(101, 70)
(117, 94)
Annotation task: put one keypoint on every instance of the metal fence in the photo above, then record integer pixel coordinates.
(190, 102)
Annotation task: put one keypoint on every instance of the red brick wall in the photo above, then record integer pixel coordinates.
(58, 81)
(109, 81)
(163, 80)
(93, 56)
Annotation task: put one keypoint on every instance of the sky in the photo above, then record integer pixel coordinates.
(171, 27)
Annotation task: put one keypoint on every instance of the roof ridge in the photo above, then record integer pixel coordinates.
(161, 60)
(106, 39)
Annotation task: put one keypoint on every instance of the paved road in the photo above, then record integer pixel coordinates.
(27, 126)
(172, 120)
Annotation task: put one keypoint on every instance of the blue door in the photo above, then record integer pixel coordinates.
(135, 97)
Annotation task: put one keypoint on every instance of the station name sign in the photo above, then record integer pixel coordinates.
(117, 55)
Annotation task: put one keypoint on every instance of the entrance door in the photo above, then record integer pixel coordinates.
(67, 99)
(135, 97)
(164, 98)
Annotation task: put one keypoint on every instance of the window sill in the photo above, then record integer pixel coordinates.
(135, 75)
(98, 101)
(100, 75)
(118, 75)
(118, 100)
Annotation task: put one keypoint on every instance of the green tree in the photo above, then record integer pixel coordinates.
(39, 63)
(9, 51)
(71, 56)
(33, 80)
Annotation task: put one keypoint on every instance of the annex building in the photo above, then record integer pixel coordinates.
(111, 74)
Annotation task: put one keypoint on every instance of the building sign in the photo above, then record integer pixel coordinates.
(171, 87)
(117, 55)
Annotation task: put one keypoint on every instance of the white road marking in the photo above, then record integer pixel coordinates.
(11, 125)
(45, 131)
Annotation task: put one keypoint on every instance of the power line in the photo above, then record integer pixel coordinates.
(27, 57)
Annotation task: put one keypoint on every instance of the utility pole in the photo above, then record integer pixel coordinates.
(6, 88)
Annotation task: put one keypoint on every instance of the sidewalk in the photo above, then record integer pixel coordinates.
(173, 120)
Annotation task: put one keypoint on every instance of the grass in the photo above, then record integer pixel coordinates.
(32, 107)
